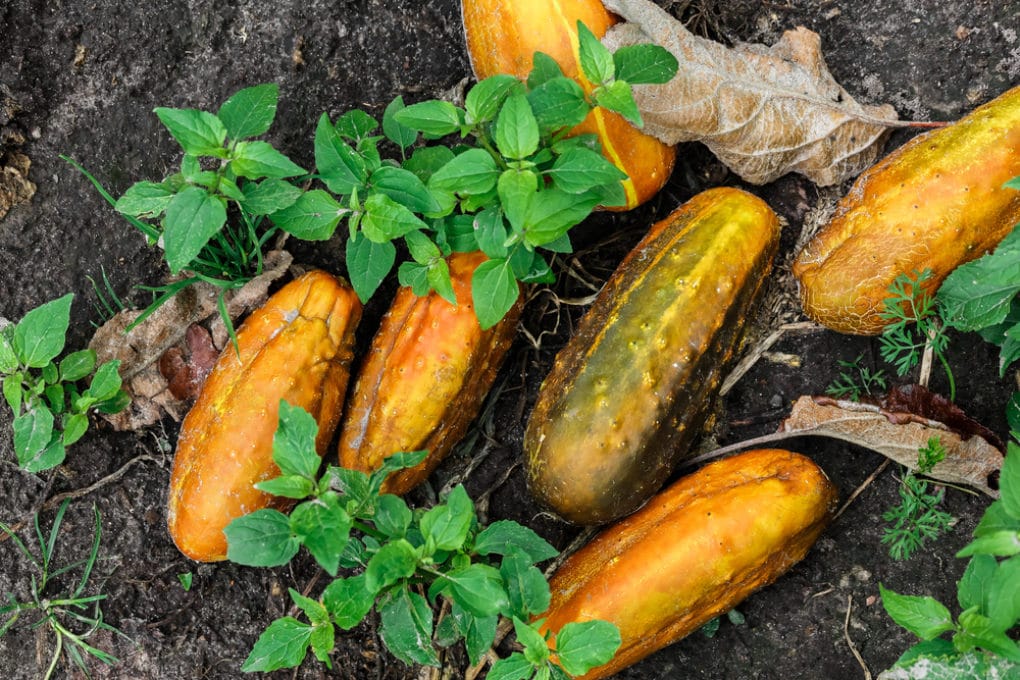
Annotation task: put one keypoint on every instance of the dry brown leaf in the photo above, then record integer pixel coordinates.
(764, 111)
(182, 337)
(969, 460)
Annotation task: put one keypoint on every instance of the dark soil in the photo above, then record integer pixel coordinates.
(82, 78)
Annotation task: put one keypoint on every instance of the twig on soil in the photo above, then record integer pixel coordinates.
(860, 489)
(756, 353)
(78, 493)
(846, 634)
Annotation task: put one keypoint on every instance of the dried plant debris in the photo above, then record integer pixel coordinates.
(165, 359)
(898, 434)
(764, 111)
(15, 187)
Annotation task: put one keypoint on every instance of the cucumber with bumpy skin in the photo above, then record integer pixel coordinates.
(632, 389)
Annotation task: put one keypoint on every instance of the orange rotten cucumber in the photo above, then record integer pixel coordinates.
(296, 347)
(934, 203)
(694, 552)
(427, 372)
(632, 389)
(502, 37)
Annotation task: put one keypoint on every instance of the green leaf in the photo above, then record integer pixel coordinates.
(506, 536)
(399, 134)
(925, 617)
(404, 187)
(313, 217)
(144, 199)
(583, 646)
(77, 365)
(421, 247)
(478, 632)
(472, 172)
(75, 427)
(1000, 543)
(323, 527)
(40, 335)
(645, 64)
(494, 291)
(106, 382)
(8, 357)
(448, 523)
(54, 395)
(596, 61)
(51, 456)
(392, 516)
(490, 233)
(559, 103)
(414, 276)
(526, 586)
(1012, 411)
(269, 196)
(368, 263)
(581, 169)
(338, 164)
(1009, 481)
(114, 404)
(193, 217)
(1003, 595)
(554, 212)
(979, 293)
(282, 645)
(406, 628)
(996, 519)
(261, 539)
(294, 442)
(478, 588)
(288, 486)
(483, 101)
(978, 631)
(425, 161)
(198, 132)
(513, 667)
(543, 69)
(536, 649)
(973, 588)
(617, 96)
(356, 125)
(385, 219)
(438, 277)
(348, 600)
(186, 579)
(394, 561)
(398, 461)
(517, 133)
(433, 118)
(255, 160)
(50, 373)
(13, 393)
(250, 112)
(33, 431)
(517, 189)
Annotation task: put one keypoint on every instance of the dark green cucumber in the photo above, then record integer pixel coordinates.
(631, 390)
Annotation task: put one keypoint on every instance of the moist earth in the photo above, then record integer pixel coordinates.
(81, 79)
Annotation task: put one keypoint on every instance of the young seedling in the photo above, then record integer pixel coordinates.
(408, 562)
(856, 381)
(72, 616)
(917, 518)
(983, 643)
(50, 411)
(915, 320)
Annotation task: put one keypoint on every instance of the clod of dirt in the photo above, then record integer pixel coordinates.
(15, 187)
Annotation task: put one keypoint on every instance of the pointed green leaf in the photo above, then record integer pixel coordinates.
(536, 649)
(399, 134)
(580, 169)
(1009, 481)
(595, 59)
(517, 133)
(543, 69)
(426, 160)
(8, 357)
(433, 118)
(645, 64)
(478, 588)
(583, 646)
(406, 628)
(40, 335)
(313, 217)
(13, 393)
(77, 365)
(438, 276)
(394, 561)
(526, 586)
(106, 382)
(323, 527)
(75, 427)
(974, 586)
(294, 442)
(1003, 596)
(348, 600)
(404, 187)
(356, 125)
(385, 219)
(199, 133)
(338, 164)
(144, 199)
(554, 213)
(494, 291)
(925, 617)
(490, 233)
(472, 172)
(448, 523)
(288, 486)
(282, 645)
(368, 263)
(421, 247)
(255, 160)
(559, 103)
(33, 431)
(192, 218)
(269, 196)
(250, 112)
(483, 100)
(513, 667)
(505, 536)
(999, 543)
(392, 516)
(617, 96)
(517, 190)
(261, 539)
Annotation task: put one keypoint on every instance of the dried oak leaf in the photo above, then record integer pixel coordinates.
(763, 111)
(970, 458)
(164, 360)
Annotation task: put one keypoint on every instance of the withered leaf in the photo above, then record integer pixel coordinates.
(165, 359)
(969, 460)
(762, 111)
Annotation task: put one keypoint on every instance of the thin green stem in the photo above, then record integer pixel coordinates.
(369, 530)
(949, 376)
